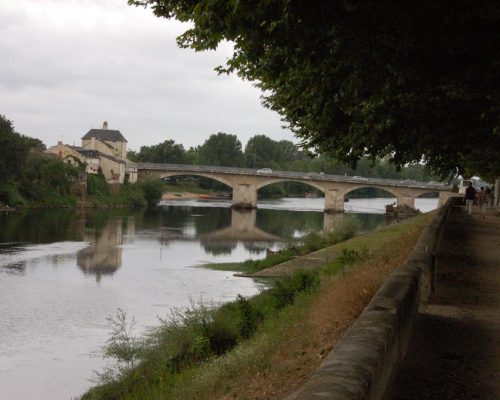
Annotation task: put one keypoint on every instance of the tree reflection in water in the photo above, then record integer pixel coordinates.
(218, 229)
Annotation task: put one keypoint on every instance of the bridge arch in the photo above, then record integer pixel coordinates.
(384, 189)
(272, 181)
(201, 174)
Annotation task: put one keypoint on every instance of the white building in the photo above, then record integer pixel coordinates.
(102, 149)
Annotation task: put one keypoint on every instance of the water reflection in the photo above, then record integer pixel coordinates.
(40, 226)
(217, 230)
(103, 256)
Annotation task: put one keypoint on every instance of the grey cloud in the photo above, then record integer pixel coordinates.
(69, 65)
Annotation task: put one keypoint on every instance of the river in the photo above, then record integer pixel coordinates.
(63, 273)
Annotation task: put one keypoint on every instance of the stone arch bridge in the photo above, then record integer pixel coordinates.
(245, 183)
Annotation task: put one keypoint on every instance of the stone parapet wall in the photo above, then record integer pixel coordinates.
(362, 364)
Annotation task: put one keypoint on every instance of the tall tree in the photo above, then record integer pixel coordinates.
(165, 152)
(262, 151)
(221, 149)
(410, 81)
(14, 149)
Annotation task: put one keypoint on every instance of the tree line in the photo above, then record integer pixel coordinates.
(403, 81)
(224, 149)
(30, 177)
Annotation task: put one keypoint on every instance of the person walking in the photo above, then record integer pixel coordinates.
(489, 195)
(469, 197)
(482, 201)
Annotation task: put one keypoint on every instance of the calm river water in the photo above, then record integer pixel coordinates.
(62, 273)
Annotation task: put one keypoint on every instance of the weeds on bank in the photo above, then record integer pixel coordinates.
(187, 338)
(256, 347)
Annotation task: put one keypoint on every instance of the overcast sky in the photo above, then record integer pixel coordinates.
(68, 65)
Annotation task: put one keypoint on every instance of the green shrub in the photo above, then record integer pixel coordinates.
(286, 290)
(132, 195)
(96, 185)
(248, 317)
(153, 190)
(221, 335)
(346, 258)
(200, 349)
(350, 257)
(312, 242)
(122, 346)
(10, 196)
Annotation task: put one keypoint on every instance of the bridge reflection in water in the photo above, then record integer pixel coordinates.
(103, 256)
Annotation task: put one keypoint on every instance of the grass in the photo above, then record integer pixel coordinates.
(264, 346)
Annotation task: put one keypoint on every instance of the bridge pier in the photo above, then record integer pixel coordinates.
(334, 201)
(244, 196)
(406, 200)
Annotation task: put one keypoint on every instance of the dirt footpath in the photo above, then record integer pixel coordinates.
(455, 349)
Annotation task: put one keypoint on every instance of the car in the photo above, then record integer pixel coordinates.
(265, 171)
(316, 174)
(360, 178)
(434, 183)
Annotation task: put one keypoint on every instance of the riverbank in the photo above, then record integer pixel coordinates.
(289, 345)
(179, 195)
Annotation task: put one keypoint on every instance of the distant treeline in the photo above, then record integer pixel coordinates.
(226, 150)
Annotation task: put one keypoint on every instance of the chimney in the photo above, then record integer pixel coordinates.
(105, 125)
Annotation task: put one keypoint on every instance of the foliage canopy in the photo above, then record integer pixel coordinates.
(411, 81)
(166, 152)
(221, 149)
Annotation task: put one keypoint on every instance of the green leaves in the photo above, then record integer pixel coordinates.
(221, 149)
(409, 81)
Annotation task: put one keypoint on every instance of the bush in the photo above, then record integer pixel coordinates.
(10, 196)
(122, 346)
(132, 195)
(96, 184)
(248, 317)
(313, 242)
(286, 290)
(153, 190)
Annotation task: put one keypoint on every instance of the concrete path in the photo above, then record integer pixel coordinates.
(455, 349)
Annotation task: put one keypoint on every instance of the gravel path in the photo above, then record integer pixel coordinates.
(455, 349)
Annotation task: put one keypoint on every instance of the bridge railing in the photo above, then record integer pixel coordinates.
(303, 176)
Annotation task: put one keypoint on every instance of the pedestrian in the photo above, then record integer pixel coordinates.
(482, 201)
(489, 196)
(469, 197)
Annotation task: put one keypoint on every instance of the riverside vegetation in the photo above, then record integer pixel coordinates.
(31, 178)
(259, 347)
